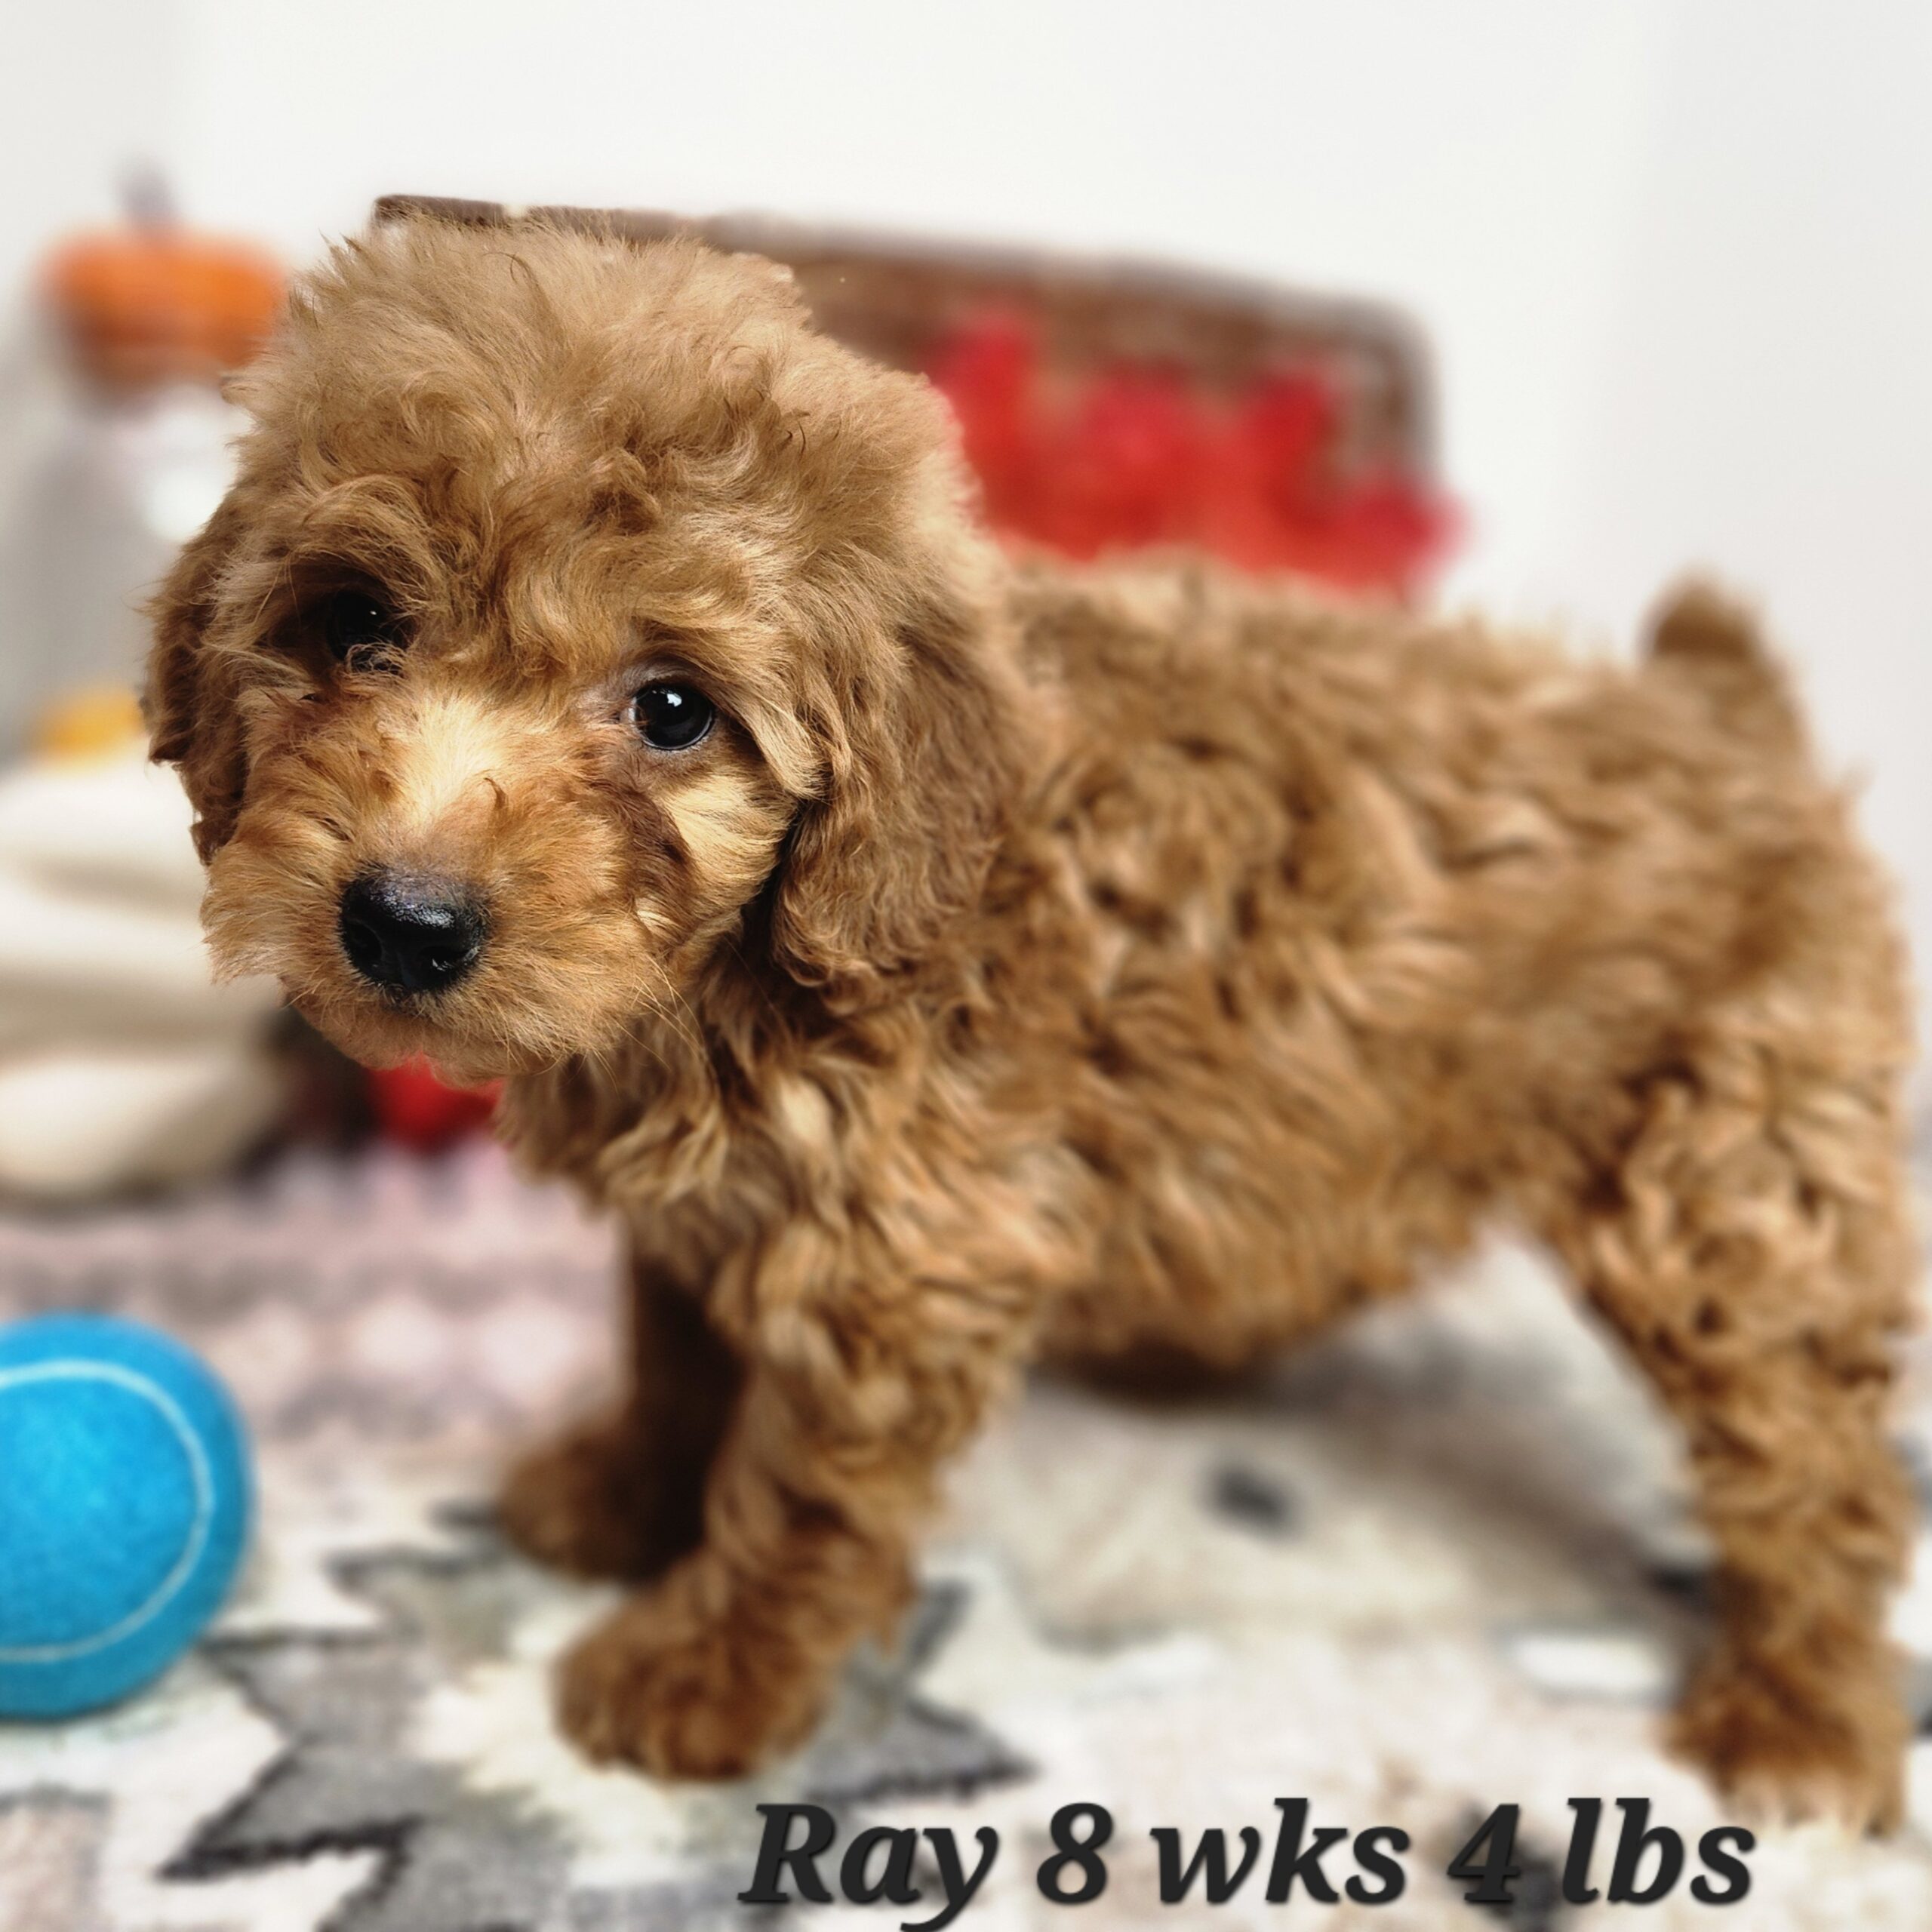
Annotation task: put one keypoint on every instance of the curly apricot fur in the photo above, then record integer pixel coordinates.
(1110, 963)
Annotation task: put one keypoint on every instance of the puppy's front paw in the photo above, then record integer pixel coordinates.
(592, 1503)
(661, 1685)
(1781, 1761)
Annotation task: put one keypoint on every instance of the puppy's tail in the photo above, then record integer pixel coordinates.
(1714, 643)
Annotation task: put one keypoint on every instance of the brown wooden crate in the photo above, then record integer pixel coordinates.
(897, 298)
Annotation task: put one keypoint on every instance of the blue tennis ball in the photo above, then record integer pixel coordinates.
(125, 1506)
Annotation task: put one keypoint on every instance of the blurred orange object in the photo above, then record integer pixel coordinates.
(93, 721)
(414, 1109)
(153, 303)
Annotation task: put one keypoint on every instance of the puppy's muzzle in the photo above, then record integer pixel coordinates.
(412, 932)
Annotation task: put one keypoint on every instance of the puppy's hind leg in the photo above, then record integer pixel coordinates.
(1754, 1254)
(622, 1494)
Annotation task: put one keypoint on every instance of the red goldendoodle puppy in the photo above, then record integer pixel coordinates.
(597, 678)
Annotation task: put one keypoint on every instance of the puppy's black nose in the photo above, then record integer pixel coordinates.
(410, 932)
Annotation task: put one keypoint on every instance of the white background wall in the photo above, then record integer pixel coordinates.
(1676, 259)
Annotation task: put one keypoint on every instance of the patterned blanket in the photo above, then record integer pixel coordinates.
(1437, 1563)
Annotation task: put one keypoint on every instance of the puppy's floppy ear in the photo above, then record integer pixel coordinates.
(190, 700)
(928, 752)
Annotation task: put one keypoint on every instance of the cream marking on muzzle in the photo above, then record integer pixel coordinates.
(445, 757)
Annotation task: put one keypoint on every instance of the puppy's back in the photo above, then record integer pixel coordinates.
(1513, 870)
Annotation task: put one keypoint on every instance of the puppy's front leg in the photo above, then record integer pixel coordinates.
(622, 1495)
(849, 1405)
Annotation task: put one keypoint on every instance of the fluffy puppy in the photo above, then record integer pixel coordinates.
(596, 678)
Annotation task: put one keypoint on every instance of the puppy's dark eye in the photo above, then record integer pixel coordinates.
(357, 623)
(671, 715)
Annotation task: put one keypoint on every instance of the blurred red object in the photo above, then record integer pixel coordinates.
(1126, 467)
(1139, 455)
(414, 1109)
(988, 373)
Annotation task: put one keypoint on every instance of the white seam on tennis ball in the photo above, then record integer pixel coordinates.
(170, 1585)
